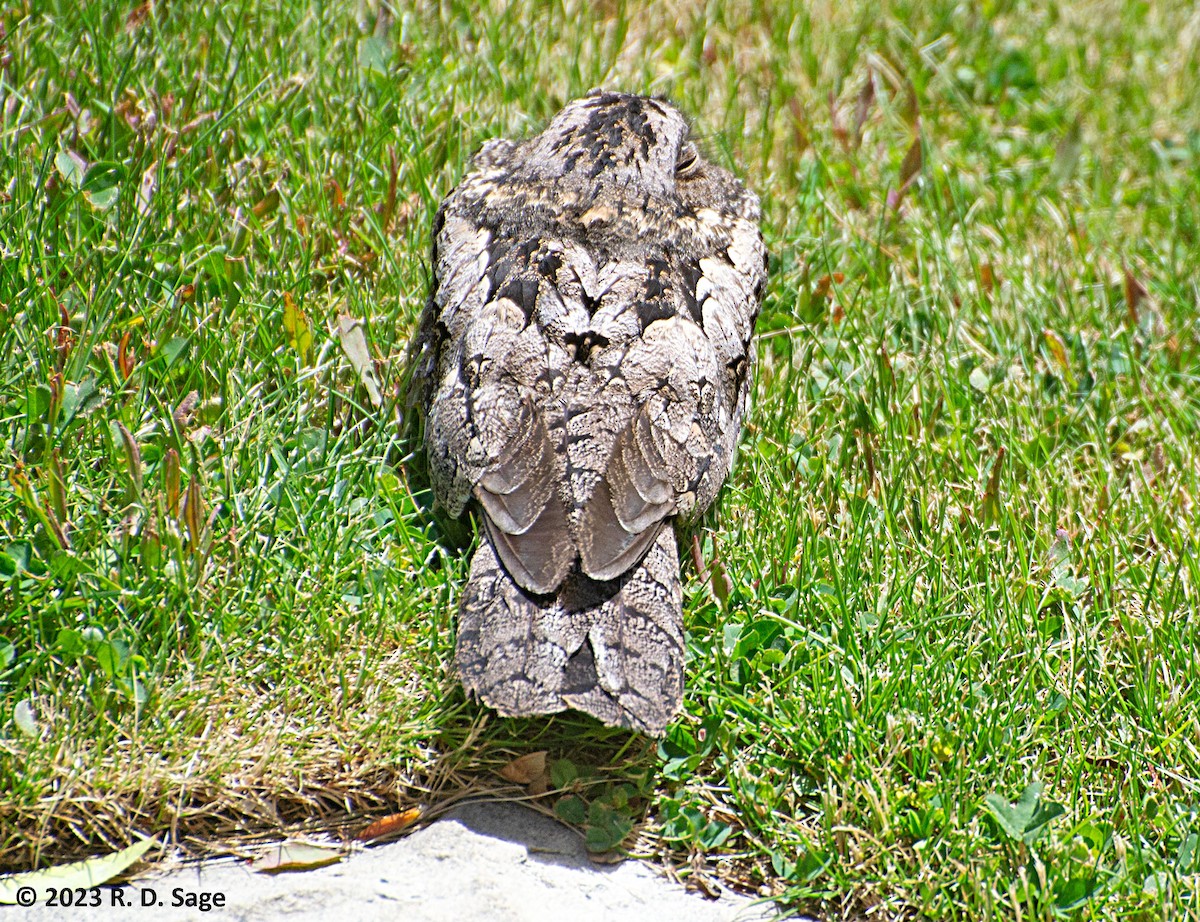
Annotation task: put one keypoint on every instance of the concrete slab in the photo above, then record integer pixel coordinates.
(485, 862)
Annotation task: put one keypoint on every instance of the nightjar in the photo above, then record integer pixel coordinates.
(580, 375)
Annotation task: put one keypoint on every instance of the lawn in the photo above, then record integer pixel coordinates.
(943, 635)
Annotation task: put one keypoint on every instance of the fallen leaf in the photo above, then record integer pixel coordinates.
(334, 188)
(354, 344)
(131, 111)
(182, 415)
(825, 283)
(297, 856)
(1135, 294)
(89, 873)
(201, 119)
(987, 277)
(267, 205)
(388, 826)
(125, 358)
(706, 885)
(137, 16)
(526, 769)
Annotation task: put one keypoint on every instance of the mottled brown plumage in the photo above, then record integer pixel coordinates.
(582, 368)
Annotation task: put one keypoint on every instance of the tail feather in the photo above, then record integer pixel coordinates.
(611, 649)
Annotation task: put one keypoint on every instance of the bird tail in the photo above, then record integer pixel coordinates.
(612, 649)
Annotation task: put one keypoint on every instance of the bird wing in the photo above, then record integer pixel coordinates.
(630, 501)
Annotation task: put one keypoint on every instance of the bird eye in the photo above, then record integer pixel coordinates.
(686, 164)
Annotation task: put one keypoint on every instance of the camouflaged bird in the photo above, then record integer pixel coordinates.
(583, 366)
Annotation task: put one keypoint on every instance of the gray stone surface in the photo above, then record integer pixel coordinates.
(490, 861)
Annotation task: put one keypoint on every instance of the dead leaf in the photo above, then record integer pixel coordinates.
(526, 769)
(337, 197)
(987, 277)
(137, 16)
(388, 826)
(89, 873)
(165, 103)
(131, 111)
(182, 414)
(354, 344)
(1135, 294)
(125, 358)
(704, 883)
(267, 205)
(297, 856)
(201, 119)
(825, 283)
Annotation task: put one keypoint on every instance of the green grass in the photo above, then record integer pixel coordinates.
(957, 562)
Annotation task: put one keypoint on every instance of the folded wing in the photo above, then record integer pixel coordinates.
(631, 500)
